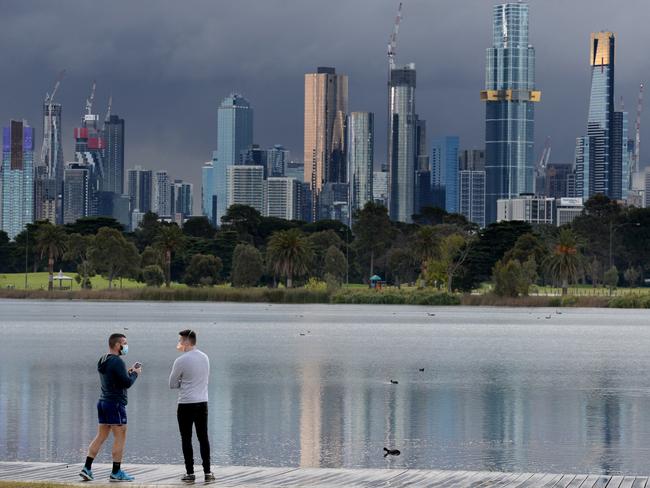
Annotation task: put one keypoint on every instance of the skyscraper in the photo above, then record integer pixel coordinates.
(182, 198)
(361, 142)
(234, 137)
(89, 151)
(326, 104)
(282, 198)
(140, 189)
(162, 193)
(471, 186)
(601, 153)
(509, 95)
(444, 170)
(246, 186)
(113, 133)
(17, 177)
(208, 197)
(277, 159)
(76, 188)
(402, 147)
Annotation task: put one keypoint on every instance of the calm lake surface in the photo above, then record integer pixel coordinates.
(502, 389)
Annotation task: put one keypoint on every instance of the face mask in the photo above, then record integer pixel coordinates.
(125, 350)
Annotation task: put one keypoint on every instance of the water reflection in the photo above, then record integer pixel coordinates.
(497, 391)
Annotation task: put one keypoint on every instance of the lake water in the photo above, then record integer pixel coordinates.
(502, 389)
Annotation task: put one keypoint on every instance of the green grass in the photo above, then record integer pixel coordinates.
(38, 281)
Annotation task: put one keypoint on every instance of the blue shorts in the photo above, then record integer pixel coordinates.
(111, 413)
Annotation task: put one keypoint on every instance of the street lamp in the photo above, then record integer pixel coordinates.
(612, 228)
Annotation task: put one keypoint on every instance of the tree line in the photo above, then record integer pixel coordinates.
(606, 245)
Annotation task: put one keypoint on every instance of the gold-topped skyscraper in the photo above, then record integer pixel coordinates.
(326, 104)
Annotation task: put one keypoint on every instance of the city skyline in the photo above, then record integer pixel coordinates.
(169, 102)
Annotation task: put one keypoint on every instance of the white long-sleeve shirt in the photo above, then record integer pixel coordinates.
(191, 373)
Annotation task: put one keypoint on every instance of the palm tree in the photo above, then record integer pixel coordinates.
(51, 240)
(169, 239)
(289, 254)
(565, 262)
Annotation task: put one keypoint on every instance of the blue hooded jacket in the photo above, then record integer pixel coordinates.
(115, 379)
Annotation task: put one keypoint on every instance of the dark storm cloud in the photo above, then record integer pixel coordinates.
(168, 64)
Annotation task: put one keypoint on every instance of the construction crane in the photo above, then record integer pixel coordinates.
(392, 40)
(49, 102)
(637, 136)
(91, 99)
(544, 158)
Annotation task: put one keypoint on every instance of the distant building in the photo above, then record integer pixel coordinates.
(402, 131)
(326, 104)
(77, 191)
(277, 159)
(162, 193)
(380, 187)
(282, 198)
(333, 203)
(208, 196)
(567, 210)
(560, 180)
(444, 170)
(361, 157)
(182, 198)
(526, 208)
(113, 133)
(509, 96)
(471, 186)
(646, 185)
(47, 195)
(49, 169)
(17, 177)
(245, 186)
(234, 137)
(140, 188)
(136, 219)
(295, 170)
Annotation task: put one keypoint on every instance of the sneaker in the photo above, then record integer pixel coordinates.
(209, 477)
(86, 474)
(120, 476)
(188, 478)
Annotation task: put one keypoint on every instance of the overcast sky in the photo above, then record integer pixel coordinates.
(168, 63)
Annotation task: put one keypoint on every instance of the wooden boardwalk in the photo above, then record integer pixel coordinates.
(161, 475)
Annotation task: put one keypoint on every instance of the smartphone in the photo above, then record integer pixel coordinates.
(137, 365)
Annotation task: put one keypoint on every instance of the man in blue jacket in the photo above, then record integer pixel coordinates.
(111, 407)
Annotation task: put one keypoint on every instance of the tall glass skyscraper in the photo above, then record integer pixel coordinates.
(17, 177)
(402, 126)
(361, 142)
(114, 154)
(510, 95)
(326, 105)
(602, 156)
(234, 137)
(53, 149)
(444, 169)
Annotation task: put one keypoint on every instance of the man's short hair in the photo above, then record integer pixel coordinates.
(189, 334)
(114, 339)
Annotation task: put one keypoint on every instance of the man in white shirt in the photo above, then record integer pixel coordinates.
(190, 374)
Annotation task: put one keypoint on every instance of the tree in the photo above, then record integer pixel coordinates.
(426, 243)
(320, 242)
(78, 251)
(51, 241)
(244, 220)
(91, 225)
(453, 251)
(169, 239)
(373, 231)
(204, 270)
(153, 275)
(335, 263)
(565, 262)
(147, 230)
(198, 227)
(403, 265)
(611, 278)
(113, 256)
(152, 256)
(632, 276)
(511, 278)
(289, 255)
(247, 266)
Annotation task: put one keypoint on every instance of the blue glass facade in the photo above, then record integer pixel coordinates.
(510, 95)
(17, 177)
(444, 169)
(606, 129)
(234, 137)
(361, 146)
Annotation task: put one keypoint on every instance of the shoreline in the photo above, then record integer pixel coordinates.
(342, 296)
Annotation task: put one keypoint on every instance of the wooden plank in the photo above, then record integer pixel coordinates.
(520, 481)
(628, 482)
(640, 482)
(460, 481)
(577, 481)
(564, 481)
(615, 482)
